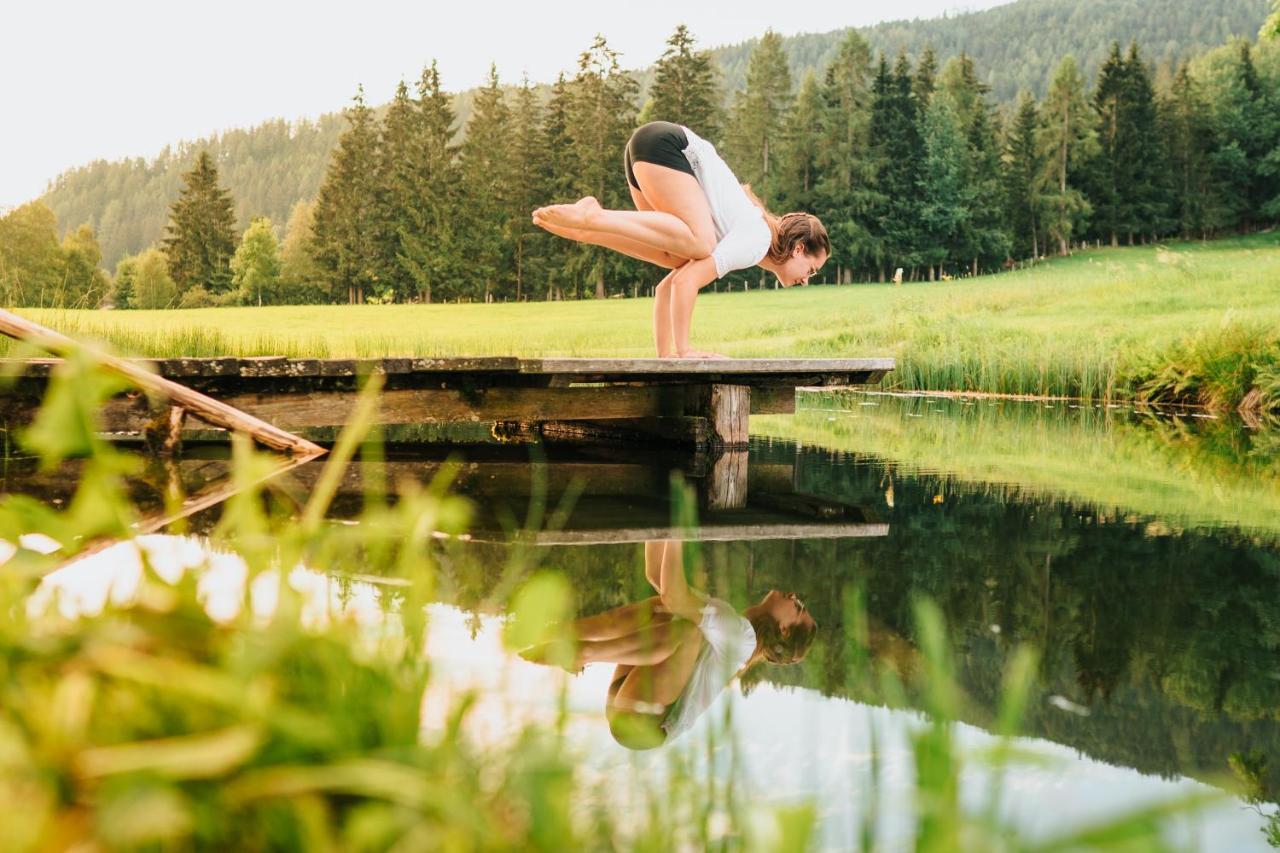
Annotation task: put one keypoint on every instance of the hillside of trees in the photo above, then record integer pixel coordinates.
(1018, 45)
(909, 160)
(269, 167)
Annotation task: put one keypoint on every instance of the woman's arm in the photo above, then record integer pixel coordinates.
(673, 588)
(685, 284)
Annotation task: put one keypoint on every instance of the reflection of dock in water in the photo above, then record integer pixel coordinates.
(611, 501)
(569, 495)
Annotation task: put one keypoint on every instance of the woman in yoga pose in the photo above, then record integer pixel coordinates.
(694, 218)
(675, 652)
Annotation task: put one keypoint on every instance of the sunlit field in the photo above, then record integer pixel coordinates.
(1181, 319)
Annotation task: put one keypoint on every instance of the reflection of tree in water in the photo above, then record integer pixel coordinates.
(1167, 637)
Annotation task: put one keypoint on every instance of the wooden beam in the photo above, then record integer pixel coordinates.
(203, 407)
(702, 367)
(703, 533)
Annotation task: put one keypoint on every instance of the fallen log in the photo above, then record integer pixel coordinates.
(204, 407)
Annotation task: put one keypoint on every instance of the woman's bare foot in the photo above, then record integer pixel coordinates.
(693, 353)
(575, 234)
(554, 654)
(579, 215)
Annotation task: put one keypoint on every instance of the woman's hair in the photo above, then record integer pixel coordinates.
(778, 647)
(790, 229)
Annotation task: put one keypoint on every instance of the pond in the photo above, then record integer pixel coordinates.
(1136, 551)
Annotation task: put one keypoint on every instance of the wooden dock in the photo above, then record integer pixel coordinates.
(704, 404)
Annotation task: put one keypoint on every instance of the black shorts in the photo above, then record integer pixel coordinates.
(660, 143)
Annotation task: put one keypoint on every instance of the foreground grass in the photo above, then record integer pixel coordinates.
(154, 724)
(1183, 321)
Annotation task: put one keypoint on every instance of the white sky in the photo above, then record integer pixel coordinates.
(88, 80)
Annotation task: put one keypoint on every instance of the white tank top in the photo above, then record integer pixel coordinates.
(728, 643)
(742, 235)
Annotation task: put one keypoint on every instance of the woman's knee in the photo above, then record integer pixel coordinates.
(636, 729)
(703, 246)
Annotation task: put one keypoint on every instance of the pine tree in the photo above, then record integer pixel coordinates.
(601, 117)
(801, 150)
(1247, 116)
(1068, 142)
(926, 79)
(946, 200)
(1024, 176)
(985, 240)
(846, 187)
(760, 115)
(429, 242)
(685, 89)
(527, 189)
(484, 164)
(201, 233)
(559, 183)
(345, 231)
(1197, 205)
(896, 153)
(1106, 176)
(1149, 185)
(395, 189)
(1125, 187)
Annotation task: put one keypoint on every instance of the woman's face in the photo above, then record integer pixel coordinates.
(787, 609)
(800, 267)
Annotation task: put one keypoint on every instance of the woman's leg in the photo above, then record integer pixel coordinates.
(621, 621)
(628, 247)
(659, 683)
(649, 645)
(664, 336)
(679, 223)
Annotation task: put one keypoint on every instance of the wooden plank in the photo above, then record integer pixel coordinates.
(435, 405)
(701, 367)
(706, 532)
(495, 364)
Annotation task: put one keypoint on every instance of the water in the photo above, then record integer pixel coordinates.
(1137, 551)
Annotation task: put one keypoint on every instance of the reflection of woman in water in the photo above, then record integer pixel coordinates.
(676, 651)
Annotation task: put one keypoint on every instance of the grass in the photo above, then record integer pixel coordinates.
(1202, 473)
(1181, 321)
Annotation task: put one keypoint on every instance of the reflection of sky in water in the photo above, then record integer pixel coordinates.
(795, 744)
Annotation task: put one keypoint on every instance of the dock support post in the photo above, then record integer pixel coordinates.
(728, 408)
(727, 483)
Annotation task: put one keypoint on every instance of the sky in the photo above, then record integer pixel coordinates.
(90, 80)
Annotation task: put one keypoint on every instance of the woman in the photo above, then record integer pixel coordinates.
(693, 218)
(675, 652)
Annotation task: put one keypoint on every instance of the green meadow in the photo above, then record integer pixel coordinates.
(1186, 322)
